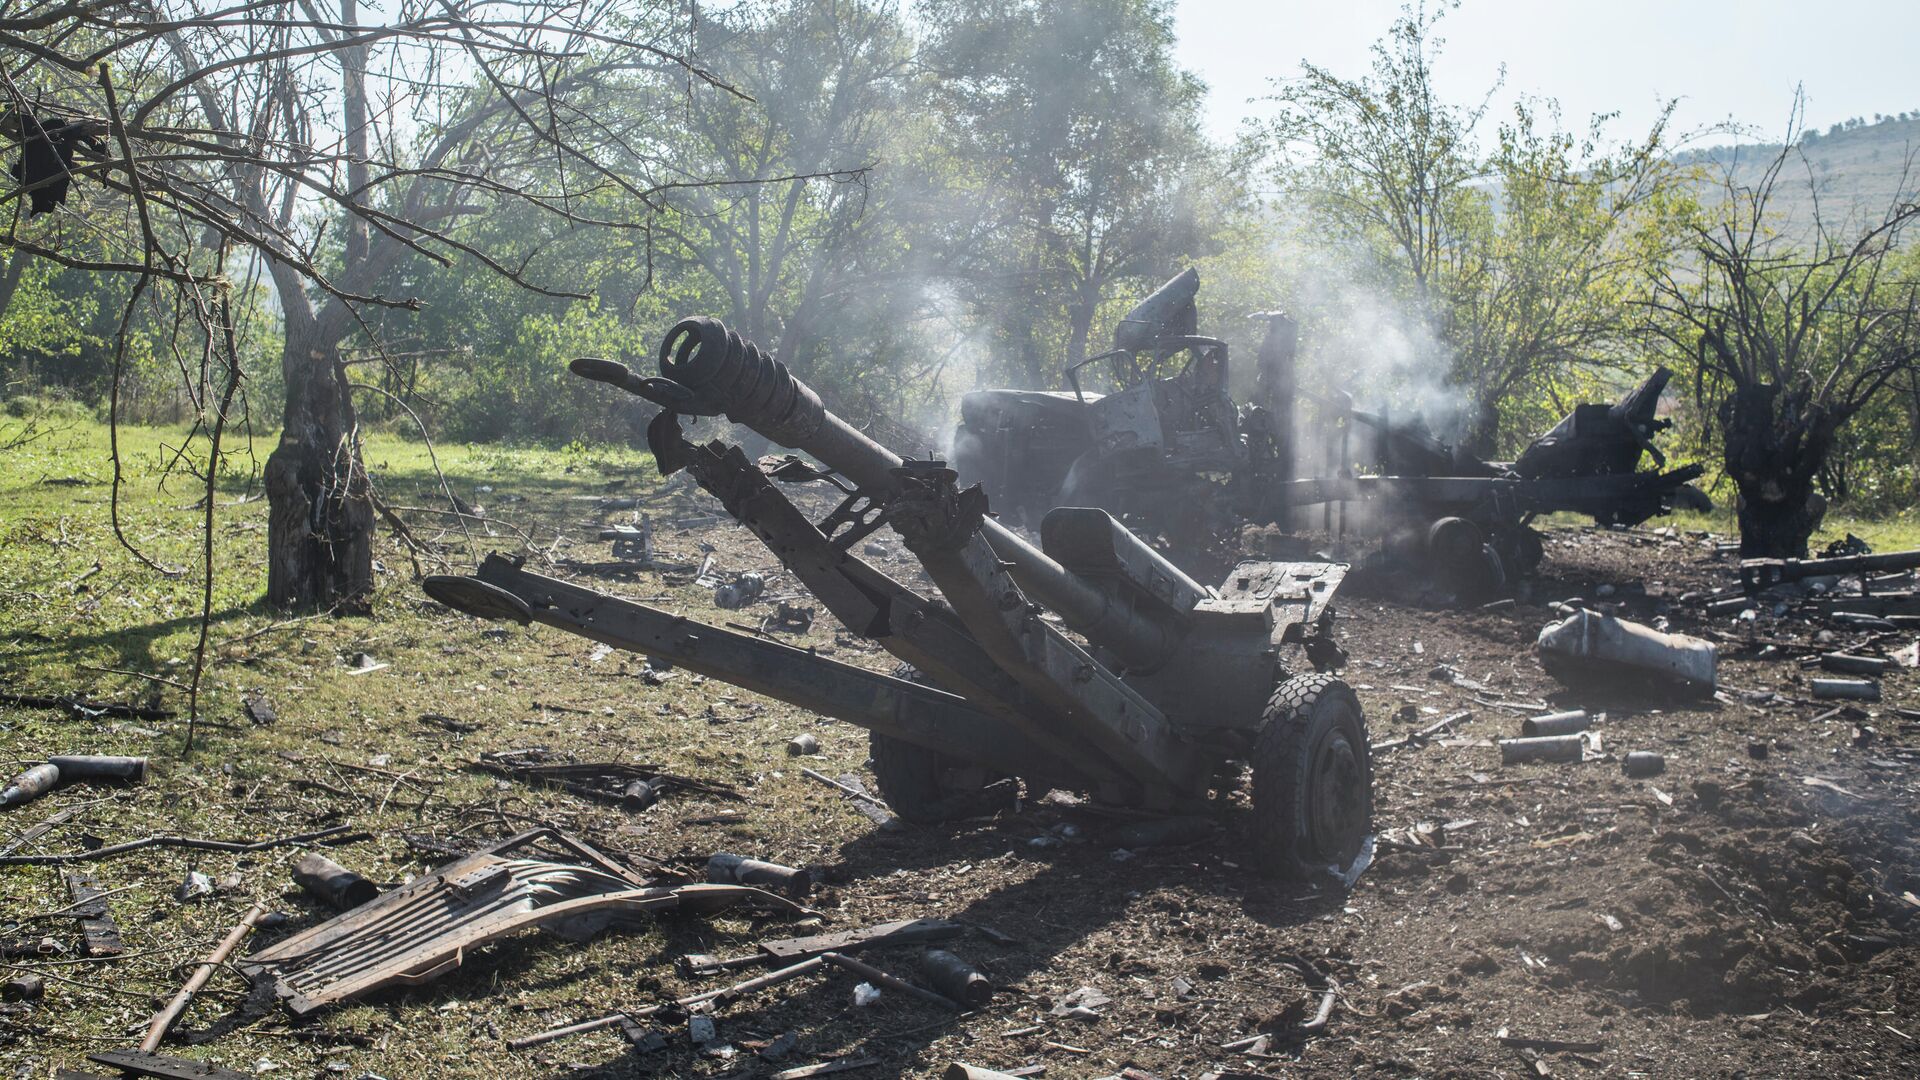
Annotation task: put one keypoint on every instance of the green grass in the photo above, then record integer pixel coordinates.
(61, 630)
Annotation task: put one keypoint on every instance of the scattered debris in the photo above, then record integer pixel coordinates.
(142, 1063)
(86, 707)
(875, 808)
(494, 892)
(1420, 738)
(1846, 689)
(631, 543)
(23, 988)
(876, 976)
(335, 885)
(1081, 1004)
(58, 771)
(723, 996)
(1643, 763)
(606, 781)
(788, 619)
(1543, 748)
(363, 663)
(726, 869)
(100, 936)
(955, 978)
(746, 587)
(195, 886)
(1589, 647)
(258, 712)
(30, 785)
(334, 834)
(1848, 664)
(787, 950)
(165, 1018)
(1560, 723)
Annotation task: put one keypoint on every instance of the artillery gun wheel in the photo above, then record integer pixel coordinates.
(1312, 778)
(926, 787)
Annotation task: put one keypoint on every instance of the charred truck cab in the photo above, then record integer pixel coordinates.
(1089, 662)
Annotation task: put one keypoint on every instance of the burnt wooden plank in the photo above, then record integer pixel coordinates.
(101, 936)
(141, 1063)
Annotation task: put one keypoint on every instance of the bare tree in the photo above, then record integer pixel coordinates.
(1788, 343)
(332, 146)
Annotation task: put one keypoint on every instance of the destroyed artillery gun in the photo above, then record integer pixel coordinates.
(1170, 450)
(1089, 663)
(1473, 519)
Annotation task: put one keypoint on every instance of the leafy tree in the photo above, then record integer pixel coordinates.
(333, 145)
(1516, 261)
(1078, 173)
(1788, 346)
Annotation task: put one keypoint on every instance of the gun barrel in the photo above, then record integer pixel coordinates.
(1759, 573)
(733, 375)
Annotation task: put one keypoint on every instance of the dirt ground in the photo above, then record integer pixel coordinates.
(1748, 912)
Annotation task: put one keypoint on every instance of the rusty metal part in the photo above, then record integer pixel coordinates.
(100, 769)
(1561, 723)
(424, 929)
(728, 869)
(787, 950)
(1760, 574)
(880, 978)
(23, 988)
(336, 886)
(1542, 748)
(146, 1063)
(164, 1020)
(955, 978)
(1643, 763)
(30, 785)
(98, 932)
(1846, 689)
(723, 996)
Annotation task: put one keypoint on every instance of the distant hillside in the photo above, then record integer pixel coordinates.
(1854, 170)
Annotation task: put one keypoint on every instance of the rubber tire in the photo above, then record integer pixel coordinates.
(1302, 716)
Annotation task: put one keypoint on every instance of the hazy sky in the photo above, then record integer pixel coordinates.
(1736, 59)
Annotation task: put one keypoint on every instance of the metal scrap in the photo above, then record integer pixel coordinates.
(424, 929)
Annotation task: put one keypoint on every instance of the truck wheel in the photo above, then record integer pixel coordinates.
(920, 784)
(1312, 779)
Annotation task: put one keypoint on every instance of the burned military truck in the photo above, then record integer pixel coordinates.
(1170, 451)
(1089, 663)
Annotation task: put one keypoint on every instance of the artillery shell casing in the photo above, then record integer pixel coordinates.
(1560, 723)
(1545, 748)
(1849, 664)
(335, 885)
(1643, 763)
(75, 768)
(956, 978)
(1849, 689)
(726, 869)
(30, 785)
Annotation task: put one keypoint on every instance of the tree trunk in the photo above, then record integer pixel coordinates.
(320, 506)
(10, 279)
(1775, 444)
